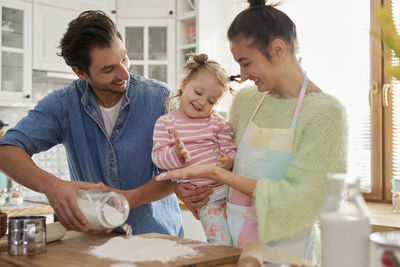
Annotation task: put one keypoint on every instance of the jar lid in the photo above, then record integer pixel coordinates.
(387, 239)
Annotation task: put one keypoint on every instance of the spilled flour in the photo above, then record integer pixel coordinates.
(135, 249)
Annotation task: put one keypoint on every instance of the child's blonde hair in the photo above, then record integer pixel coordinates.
(192, 67)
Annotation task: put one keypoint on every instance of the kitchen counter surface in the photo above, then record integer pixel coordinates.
(72, 250)
(382, 217)
(27, 208)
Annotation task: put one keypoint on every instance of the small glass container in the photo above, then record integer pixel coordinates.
(3, 196)
(103, 209)
(396, 195)
(15, 196)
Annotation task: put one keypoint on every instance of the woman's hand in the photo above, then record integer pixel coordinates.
(226, 161)
(180, 149)
(192, 172)
(193, 197)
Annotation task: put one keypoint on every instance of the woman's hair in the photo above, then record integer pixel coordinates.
(262, 23)
(92, 28)
(195, 65)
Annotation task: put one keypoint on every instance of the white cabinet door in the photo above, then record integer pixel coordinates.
(150, 45)
(145, 8)
(105, 5)
(16, 51)
(50, 21)
(49, 24)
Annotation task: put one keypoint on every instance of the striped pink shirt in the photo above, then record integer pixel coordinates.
(201, 137)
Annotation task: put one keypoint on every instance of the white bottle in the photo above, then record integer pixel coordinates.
(345, 233)
(102, 208)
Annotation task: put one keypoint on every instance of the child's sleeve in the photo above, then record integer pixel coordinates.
(163, 154)
(225, 138)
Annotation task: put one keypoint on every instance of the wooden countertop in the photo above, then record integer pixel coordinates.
(73, 249)
(33, 210)
(382, 217)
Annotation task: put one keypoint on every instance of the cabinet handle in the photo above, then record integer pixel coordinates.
(373, 89)
(28, 96)
(113, 11)
(387, 88)
(171, 12)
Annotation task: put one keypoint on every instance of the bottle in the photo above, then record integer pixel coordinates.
(345, 232)
(103, 209)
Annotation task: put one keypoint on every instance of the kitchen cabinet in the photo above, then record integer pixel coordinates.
(150, 44)
(145, 8)
(202, 28)
(16, 50)
(50, 20)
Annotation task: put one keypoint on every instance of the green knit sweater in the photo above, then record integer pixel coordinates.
(290, 205)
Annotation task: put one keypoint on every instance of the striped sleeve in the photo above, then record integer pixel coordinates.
(163, 154)
(225, 138)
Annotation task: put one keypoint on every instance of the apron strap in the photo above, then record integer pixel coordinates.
(258, 106)
(299, 101)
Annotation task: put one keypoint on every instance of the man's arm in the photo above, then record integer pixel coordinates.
(151, 191)
(18, 165)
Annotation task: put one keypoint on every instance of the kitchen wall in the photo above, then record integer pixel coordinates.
(54, 160)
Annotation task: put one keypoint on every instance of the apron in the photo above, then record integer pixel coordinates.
(262, 152)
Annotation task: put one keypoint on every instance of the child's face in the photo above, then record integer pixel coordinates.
(200, 94)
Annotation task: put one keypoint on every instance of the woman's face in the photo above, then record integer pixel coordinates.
(254, 65)
(199, 95)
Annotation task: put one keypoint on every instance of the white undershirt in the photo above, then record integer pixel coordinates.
(110, 116)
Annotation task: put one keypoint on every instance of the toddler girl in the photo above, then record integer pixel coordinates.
(195, 134)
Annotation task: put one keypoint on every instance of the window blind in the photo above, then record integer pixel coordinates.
(395, 93)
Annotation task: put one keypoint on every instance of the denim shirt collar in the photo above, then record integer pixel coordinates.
(90, 103)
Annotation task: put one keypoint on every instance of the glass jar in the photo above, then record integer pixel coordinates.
(103, 209)
(15, 196)
(345, 232)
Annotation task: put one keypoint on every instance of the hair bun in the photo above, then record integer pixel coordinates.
(200, 59)
(256, 3)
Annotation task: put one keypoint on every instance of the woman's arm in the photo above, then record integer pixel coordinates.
(243, 184)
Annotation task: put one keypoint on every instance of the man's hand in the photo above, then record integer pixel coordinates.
(226, 161)
(193, 197)
(62, 197)
(180, 149)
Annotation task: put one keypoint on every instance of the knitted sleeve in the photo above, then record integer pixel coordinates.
(290, 205)
(163, 154)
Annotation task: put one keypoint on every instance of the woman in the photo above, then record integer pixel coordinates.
(289, 135)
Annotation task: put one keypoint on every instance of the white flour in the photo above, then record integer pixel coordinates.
(92, 212)
(136, 249)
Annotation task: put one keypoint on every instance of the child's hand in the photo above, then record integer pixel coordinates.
(180, 148)
(226, 161)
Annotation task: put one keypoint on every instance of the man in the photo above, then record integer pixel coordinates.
(105, 121)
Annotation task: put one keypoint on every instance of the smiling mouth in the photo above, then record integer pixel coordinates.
(195, 107)
(120, 83)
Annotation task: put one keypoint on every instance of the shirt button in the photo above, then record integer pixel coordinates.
(116, 131)
(112, 138)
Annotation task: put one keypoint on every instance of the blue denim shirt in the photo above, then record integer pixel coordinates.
(71, 116)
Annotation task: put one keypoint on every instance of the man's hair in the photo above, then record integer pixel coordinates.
(92, 28)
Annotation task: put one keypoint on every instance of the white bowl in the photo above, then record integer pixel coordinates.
(16, 200)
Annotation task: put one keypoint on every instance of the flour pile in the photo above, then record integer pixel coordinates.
(135, 249)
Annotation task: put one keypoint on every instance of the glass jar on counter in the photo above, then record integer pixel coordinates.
(15, 196)
(103, 209)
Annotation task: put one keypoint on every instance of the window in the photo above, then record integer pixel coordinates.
(341, 56)
(391, 112)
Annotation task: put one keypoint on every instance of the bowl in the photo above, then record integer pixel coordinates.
(16, 200)
(385, 248)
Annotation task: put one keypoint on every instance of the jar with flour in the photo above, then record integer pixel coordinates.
(103, 209)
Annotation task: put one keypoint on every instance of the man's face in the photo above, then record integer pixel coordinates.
(109, 68)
